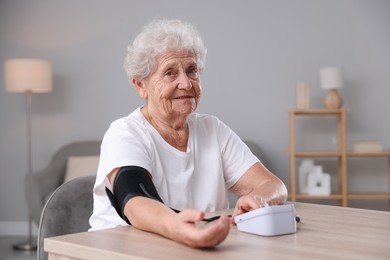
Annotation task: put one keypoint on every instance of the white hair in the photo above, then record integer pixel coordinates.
(158, 37)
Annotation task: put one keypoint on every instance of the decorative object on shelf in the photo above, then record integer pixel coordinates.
(303, 95)
(318, 182)
(367, 146)
(332, 78)
(303, 172)
(28, 76)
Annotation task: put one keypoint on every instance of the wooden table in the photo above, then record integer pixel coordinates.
(325, 232)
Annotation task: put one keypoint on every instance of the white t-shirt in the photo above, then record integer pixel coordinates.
(199, 178)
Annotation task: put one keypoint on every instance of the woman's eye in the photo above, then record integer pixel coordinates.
(193, 73)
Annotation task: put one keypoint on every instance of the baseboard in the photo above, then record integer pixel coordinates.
(16, 228)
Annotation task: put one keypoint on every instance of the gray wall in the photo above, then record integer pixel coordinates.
(257, 51)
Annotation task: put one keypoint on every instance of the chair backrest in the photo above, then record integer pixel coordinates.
(79, 148)
(67, 211)
(41, 184)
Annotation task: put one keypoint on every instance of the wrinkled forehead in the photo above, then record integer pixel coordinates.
(172, 56)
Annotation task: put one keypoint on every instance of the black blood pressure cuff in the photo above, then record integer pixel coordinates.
(130, 182)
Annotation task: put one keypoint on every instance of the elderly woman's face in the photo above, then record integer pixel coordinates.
(174, 86)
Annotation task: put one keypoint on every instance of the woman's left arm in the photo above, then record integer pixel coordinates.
(257, 188)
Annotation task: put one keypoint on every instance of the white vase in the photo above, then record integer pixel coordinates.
(304, 169)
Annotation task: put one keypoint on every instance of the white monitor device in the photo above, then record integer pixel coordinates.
(268, 221)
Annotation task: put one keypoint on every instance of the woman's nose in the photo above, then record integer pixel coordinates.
(184, 82)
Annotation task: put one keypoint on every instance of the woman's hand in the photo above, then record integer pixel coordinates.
(185, 230)
(184, 227)
(247, 203)
(258, 188)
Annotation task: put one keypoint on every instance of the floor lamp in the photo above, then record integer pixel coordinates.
(28, 76)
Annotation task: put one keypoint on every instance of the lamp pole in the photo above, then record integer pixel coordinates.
(31, 244)
(28, 76)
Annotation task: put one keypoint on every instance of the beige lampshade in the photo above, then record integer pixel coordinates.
(27, 75)
(332, 77)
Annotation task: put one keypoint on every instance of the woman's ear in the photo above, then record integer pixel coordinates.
(140, 87)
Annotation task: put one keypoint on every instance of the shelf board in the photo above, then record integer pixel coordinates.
(317, 112)
(368, 154)
(369, 196)
(358, 196)
(317, 154)
(336, 154)
(326, 197)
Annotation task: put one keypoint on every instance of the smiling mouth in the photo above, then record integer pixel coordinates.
(184, 97)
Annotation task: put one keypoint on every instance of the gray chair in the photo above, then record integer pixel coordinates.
(40, 185)
(67, 211)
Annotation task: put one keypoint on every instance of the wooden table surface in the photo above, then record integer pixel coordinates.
(325, 232)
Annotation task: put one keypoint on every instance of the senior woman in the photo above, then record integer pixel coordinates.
(163, 158)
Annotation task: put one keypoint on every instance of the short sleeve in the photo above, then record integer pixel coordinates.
(125, 143)
(237, 158)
